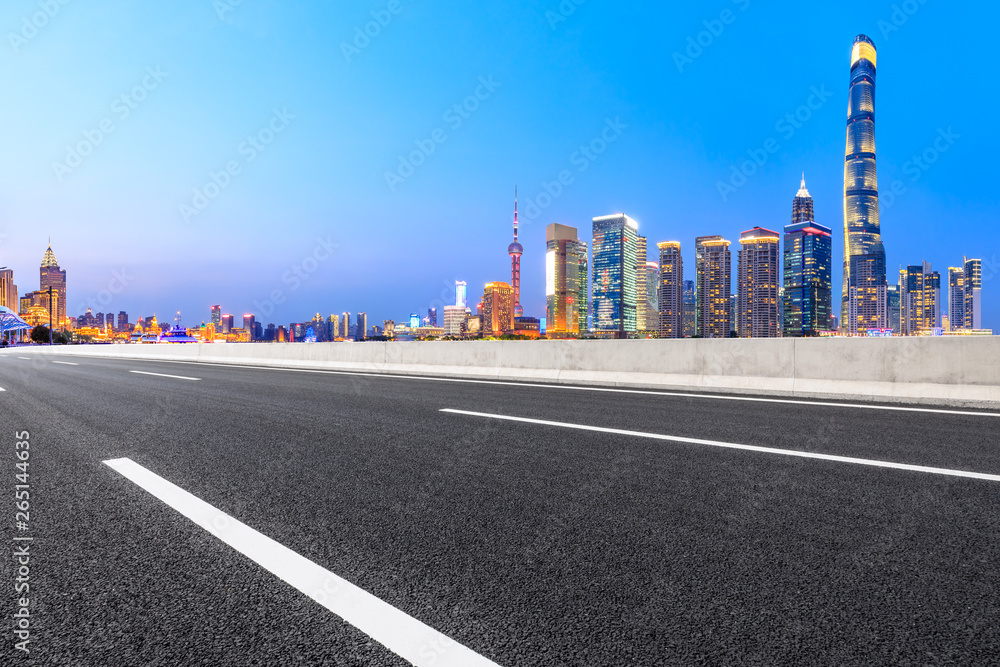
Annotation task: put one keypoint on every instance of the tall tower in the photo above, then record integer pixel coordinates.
(808, 262)
(566, 285)
(50, 275)
(862, 233)
(671, 281)
(713, 300)
(515, 250)
(616, 243)
(758, 284)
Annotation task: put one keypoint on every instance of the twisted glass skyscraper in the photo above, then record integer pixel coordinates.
(862, 235)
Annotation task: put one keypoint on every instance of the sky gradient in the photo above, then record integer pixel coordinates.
(254, 138)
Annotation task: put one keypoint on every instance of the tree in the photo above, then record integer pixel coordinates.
(40, 334)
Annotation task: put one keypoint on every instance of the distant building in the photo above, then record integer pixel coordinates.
(973, 294)
(689, 309)
(807, 299)
(867, 292)
(461, 294)
(8, 290)
(713, 287)
(432, 317)
(217, 317)
(759, 274)
(414, 321)
(956, 298)
(920, 294)
(895, 308)
(498, 309)
(333, 327)
(566, 283)
(123, 324)
(671, 289)
(653, 293)
(50, 275)
(641, 285)
(361, 331)
(345, 325)
(515, 250)
(616, 245)
(389, 328)
(228, 324)
(250, 325)
(453, 318)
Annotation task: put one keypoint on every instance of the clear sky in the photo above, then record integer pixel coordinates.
(308, 118)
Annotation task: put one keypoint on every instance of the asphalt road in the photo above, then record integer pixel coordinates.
(526, 543)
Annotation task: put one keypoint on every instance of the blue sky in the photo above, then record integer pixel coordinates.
(290, 121)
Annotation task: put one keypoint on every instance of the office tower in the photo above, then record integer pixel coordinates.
(671, 290)
(123, 324)
(515, 250)
(920, 295)
(868, 293)
(689, 309)
(228, 323)
(973, 293)
(50, 275)
(894, 305)
(807, 302)
(345, 325)
(653, 291)
(641, 286)
(862, 234)
(414, 321)
(389, 328)
(956, 298)
(333, 327)
(250, 323)
(362, 327)
(270, 333)
(461, 294)
(498, 309)
(565, 281)
(615, 239)
(432, 317)
(8, 290)
(217, 317)
(453, 318)
(757, 283)
(713, 287)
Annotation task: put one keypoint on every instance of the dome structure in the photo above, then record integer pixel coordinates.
(515, 248)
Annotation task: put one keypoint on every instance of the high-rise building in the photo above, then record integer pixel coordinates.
(956, 298)
(641, 286)
(333, 326)
(973, 293)
(565, 281)
(498, 309)
(862, 233)
(414, 321)
(250, 323)
(50, 275)
(432, 317)
(453, 318)
(894, 305)
(689, 309)
(217, 317)
(123, 324)
(758, 277)
(807, 300)
(713, 287)
(616, 245)
(515, 250)
(671, 290)
(345, 325)
(8, 290)
(228, 324)
(868, 293)
(920, 296)
(653, 292)
(461, 294)
(361, 331)
(389, 328)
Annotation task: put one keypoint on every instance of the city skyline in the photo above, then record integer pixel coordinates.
(187, 267)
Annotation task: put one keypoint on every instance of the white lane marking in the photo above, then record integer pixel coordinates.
(2, 389)
(25, 358)
(400, 633)
(729, 445)
(65, 363)
(646, 392)
(161, 375)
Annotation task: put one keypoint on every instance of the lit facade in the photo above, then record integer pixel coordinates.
(895, 307)
(454, 316)
(616, 245)
(868, 293)
(217, 317)
(956, 298)
(862, 232)
(228, 324)
(515, 250)
(498, 309)
(973, 294)
(642, 287)
(50, 275)
(920, 296)
(671, 289)
(713, 287)
(8, 290)
(461, 294)
(690, 303)
(361, 330)
(758, 271)
(807, 299)
(566, 281)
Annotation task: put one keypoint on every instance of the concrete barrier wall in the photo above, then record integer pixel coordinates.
(962, 371)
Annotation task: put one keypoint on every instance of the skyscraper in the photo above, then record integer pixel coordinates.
(50, 275)
(862, 233)
(895, 308)
(250, 323)
(515, 250)
(361, 332)
(432, 317)
(641, 286)
(565, 281)
(807, 301)
(956, 298)
(973, 293)
(689, 309)
(227, 324)
(671, 282)
(333, 327)
(345, 325)
(217, 317)
(758, 284)
(615, 239)
(461, 294)
(653, 294)
(8, 290)
(920, 295)
(498, 309)
(713, 287)
(123, 324)
(868, 293)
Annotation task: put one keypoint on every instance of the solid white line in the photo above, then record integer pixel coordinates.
(646, 392)
(400, 633)
(25, 358)
(729, 445)
(176, 377)
(65, 363)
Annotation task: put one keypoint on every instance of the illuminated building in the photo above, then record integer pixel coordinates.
(414, 321)
(281, 335)
(432, 317)
(389, 328)
(8, 290)
(250, 324)
(868, 293)
(671, 290)
(920, 295)
(472, 325)
(641, 285)
(973, 294)
(862, 234)
(37, 308)
(653, 293)
(498, 309)
(461, 294)
(616, 245)
(228, 323)
(956, 298)
(689, 309)
(515, 250)
(361, 331)
(894, 306)
(123, 324)
(807, 300)
(345, 325)
(333, 327)
(758, 276)
(713, 287)
(565, 281)
(50, 275)
(217, 317)
(453, 318)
